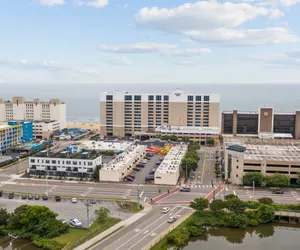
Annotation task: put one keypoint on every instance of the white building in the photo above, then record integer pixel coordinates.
(168, 171)
(19, 110)
(118, 168)
(68, 164)
(115, 146)
(44, 130)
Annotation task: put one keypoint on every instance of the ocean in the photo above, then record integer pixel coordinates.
(83, 99)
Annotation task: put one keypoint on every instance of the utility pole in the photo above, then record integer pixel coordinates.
(87, 204)
(253, 190)
(47, 185)
(186, 177)
(138, 194)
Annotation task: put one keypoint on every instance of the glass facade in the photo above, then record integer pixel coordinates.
(284, 124)
(228, 124)
(247, 124)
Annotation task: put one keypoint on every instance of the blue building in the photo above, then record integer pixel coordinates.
(27, 130)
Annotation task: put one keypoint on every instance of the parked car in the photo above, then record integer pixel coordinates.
(45, 197)
(166, 210)
(37, 197)
(30, 197)
(63, 221)
(137, 169)
(11, 195)
(172, 219)
(149, 178)
(57, 198)
(277, 192)
(93, 202)
(74, 200)
(185, 189)
(24, 196)
(75, 223)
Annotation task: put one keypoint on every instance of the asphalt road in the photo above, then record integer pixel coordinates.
(142, 232)
(66, 209)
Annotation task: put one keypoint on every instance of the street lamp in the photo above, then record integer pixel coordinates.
(253, 187)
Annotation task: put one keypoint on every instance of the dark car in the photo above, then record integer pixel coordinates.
(185, 189)
(45, 197)
(1, 193)
(57, 198)
(24, 196)
(149, 178)
(277, 192)
(37, 197)
(11, 195)
(30, 197)
(93, 202)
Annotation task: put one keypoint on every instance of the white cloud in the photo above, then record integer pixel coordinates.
(125, 6)
(160, 48)
(246, 37)
(137, 48)
(289, 3)
(199, 16)
(95, 3)
(185, 63)
(186, 40)
(275, 14)
(120, 61)
(48, 65)
(52, 2)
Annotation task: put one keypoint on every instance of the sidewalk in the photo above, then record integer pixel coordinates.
(111, 230)
(164, 195)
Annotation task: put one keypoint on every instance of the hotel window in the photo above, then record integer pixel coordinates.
(128, 98)
(190, 98)
(198, 98)
(166, 98)
(158, 98)
(150, 98)
(109, 98)
(137, 98)
(206, 98)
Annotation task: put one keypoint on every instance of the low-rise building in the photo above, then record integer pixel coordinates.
(246, 156)
(73, 162)
(116, 146)
(118, 168)
(168, 171)
(27, 130)
(44, 130)
(10, 135)
(199, 134)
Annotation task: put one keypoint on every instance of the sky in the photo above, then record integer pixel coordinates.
(144, 42)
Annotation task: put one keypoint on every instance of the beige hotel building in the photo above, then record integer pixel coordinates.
(123, 113)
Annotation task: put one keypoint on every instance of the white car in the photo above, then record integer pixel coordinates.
(74, 200)
(171, 219)
(166, 210)
(75, 223)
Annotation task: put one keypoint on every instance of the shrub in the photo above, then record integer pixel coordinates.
(266, 200)
(48, 244)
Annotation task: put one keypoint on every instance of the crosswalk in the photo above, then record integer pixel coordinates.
(6, 175)
(200, 186)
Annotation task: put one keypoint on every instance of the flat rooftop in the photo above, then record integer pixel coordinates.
(65, 154)
(288, 152)
(120, 163)
(172, 160)
(187, 130)
(104, 145)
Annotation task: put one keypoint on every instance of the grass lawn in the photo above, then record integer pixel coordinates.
(134, 208)
(96, 228)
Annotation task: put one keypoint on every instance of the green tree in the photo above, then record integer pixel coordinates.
(210, 141)
(253, 217)
(266, 213)
(235, 205)
(266, 200)
(230, 196)
(200, 204)
(248, 179)
(4, 216)
(277, 180)
(178, 238)
(217, 205)
(194, 146)
(298, 178)
(96, 173)
(190, 163)
(237, 221)
(185, 139)
(173, 138)
(194, 231)
(193, 154)
(102, 213)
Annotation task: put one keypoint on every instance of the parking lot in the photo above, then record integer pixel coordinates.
(66, 209)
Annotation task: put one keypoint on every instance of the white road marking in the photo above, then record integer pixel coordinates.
(137, 230)
(234, 192)
(141, 194)
(226, 189)
(145, 199)
(146, 231)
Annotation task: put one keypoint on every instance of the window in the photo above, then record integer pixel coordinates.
(150, 98)
(80, 163)
(190, 98)
(32, 160)
(166, 98)
(128, 97)
(68, 162)
(237, 175)
(109, 98)
(58, 162)
(158, 98)
(74, 162)
(237, 167)
(90, 163)
(206, 98)
(53, 161)
(47, 161)
(198, 98)
(137, 98)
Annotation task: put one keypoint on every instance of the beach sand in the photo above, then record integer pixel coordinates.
(91, 126)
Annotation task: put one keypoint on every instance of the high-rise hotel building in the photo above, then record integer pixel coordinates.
(123, 113)
(20, 110)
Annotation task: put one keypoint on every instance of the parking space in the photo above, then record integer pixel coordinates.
(66, 209)
(145, 171)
